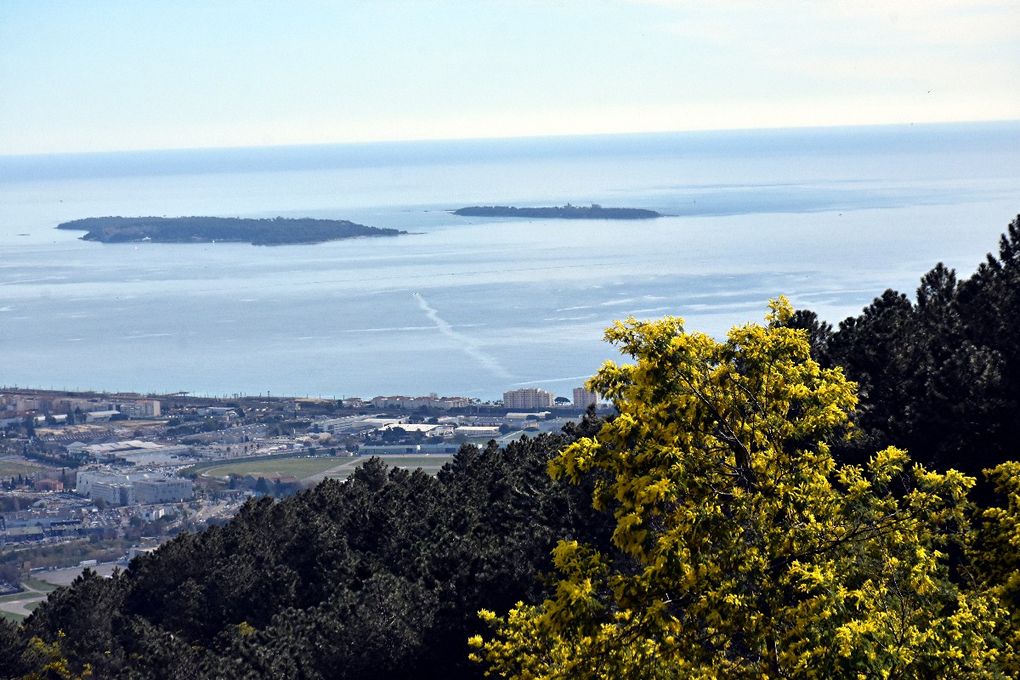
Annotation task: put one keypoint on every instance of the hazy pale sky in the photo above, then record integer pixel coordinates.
(136, 74)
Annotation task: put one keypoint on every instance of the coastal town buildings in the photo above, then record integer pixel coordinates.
(94, 408)
(431, 401)
(104, 467)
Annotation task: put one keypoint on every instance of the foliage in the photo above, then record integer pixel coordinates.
(740, 548)
(12, 649)
(996, 554)
(939, 376)
(378, 576)
(49, 660)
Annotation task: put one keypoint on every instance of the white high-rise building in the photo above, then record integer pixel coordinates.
(584, 398)
(528, 398)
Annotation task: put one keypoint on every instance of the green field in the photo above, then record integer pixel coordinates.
(41, 586)
(303, 468)
(430, 464)
(10, 468)
(282, 465)
(14, 597)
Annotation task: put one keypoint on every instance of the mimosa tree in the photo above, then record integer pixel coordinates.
(741, 548)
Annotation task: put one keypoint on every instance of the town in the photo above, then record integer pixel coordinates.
(92, 479)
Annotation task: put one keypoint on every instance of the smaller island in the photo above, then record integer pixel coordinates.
(568, 212)
(259, 232)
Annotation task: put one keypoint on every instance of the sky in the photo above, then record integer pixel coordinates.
(109, 75)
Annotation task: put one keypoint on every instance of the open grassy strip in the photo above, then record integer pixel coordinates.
(37, 584)
(11, 468)
(17, 597)
(204, 467)
(430, 464)
(283, 465)
(24, 595)
(303, 467)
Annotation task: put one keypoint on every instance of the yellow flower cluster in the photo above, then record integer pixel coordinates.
(742, 550)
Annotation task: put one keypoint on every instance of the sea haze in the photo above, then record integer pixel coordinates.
(473, 306)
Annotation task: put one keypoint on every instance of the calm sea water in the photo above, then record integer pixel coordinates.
(471, 306)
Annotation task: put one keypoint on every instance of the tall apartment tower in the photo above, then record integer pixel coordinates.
(584, 398)
(528, 398)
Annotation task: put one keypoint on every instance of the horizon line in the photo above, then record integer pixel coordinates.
(510, 137)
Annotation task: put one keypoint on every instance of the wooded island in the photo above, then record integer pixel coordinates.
(259, 232)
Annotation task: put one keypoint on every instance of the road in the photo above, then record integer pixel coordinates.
(41, 583)
(19, 603)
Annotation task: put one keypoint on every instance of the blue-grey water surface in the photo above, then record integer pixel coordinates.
(471, 306)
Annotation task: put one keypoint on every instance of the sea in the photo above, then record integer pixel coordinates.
(830, 217)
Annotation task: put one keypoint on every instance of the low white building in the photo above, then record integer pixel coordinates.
(133, 451)
(474, 431)
(520, 418)
(100, 416)
(424, 428)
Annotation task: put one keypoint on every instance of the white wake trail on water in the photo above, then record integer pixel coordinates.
(469, 345)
